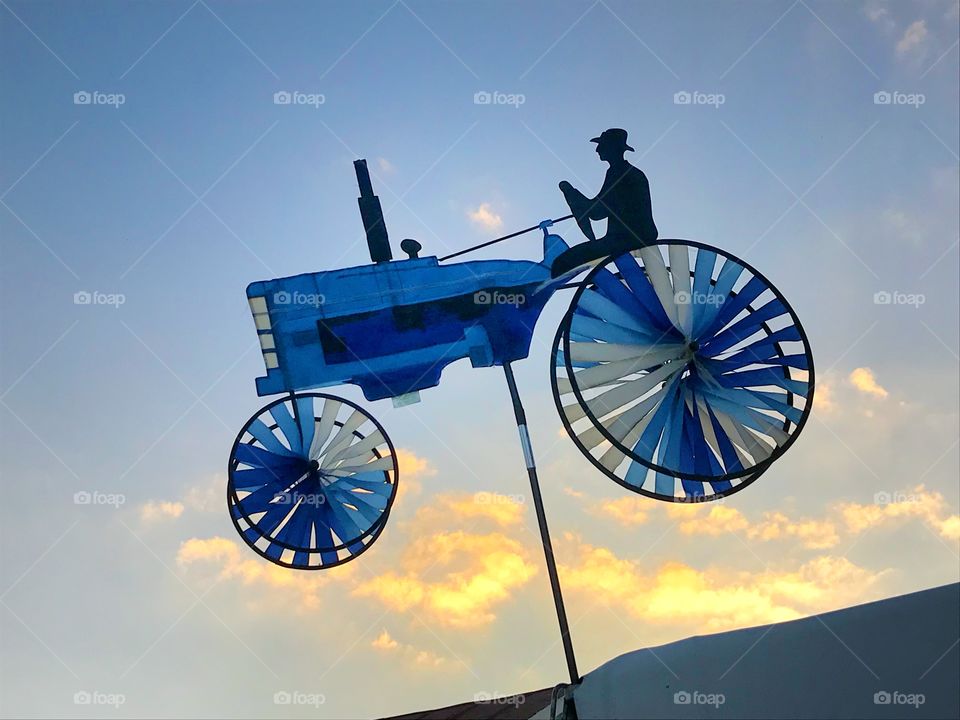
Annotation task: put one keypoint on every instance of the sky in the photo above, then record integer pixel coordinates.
(181, 181)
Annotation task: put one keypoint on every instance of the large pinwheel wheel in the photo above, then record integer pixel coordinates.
(311, 481)
(681, 372)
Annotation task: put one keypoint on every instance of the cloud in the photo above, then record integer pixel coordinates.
(154, 510)
(485, 217)
(413, 469)
(628, 510)
(451, 509)
(230, 561)
(891, 508)
(863, 380)
(904, 225)
(824, 401)
(913, 39)
(477, 574)
(452, 576)
(880, 16)
(418, 657)
(721, 519)
(715, 599)
(386, 167)
(385, 642)
(208, 497)
(844, 519)
(571, 492)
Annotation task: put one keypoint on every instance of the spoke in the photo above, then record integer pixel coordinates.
(384, 463)
(362, 448)
(266, 438)
(680, 271)
(605, 309)
(616, 372)
(702, 274)
(344, 435)
(609, 352)
(660, 279)
(596, 329)
(287, 426)
(608, 401)
(322, 429)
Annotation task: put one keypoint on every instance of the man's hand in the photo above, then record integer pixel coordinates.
(579, 206)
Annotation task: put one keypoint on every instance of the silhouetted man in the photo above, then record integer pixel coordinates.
(624, 200)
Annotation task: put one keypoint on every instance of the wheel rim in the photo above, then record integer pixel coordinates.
(311, 481)
(685, 360)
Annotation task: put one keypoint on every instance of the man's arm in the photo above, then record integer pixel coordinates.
(596, 207)
(580, 205)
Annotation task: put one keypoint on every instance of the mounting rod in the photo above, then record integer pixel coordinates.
(542, 521)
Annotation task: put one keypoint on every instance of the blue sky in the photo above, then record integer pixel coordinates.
(198, 183)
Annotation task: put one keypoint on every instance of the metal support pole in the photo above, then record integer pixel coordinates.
(542, 521)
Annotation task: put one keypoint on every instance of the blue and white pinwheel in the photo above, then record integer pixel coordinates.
(311, 481)
(681, 372)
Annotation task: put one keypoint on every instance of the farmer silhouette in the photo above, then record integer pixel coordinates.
(624, 200)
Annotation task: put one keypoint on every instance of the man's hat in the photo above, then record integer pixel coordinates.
(614, 136)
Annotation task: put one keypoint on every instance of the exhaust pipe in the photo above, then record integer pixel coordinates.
(372, 215)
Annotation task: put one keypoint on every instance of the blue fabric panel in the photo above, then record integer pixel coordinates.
(266, 438)
(287, 426)
(761, 377)
(637, 281)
